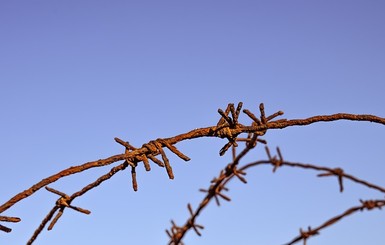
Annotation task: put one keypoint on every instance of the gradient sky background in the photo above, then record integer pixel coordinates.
(76, 74)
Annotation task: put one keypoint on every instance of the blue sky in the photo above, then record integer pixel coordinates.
(76, 74)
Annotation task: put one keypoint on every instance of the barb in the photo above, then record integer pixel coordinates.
(8, 219)
(134, 182)
(224, 114)
(253, 117)
(262, 110)
(174, 150)
(165, 159)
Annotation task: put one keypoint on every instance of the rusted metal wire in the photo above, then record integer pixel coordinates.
(228, 127)
(219, 183)
(365, 205)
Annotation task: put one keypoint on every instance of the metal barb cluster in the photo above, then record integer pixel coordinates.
(226, 123)
(339, 172)
(63, 202)
(215, 191)
(306, 234)
(154, 148)
(372, 204)
(227, 126)
(192, 223)
(174, 234)
(276, 162)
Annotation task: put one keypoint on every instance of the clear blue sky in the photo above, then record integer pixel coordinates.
(76, 74)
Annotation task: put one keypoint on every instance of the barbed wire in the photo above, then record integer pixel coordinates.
(218, 185)
(228, 127)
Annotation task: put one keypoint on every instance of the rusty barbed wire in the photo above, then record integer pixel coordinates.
(219, 183)
(60, 205)
(228, 127)
(365, 205)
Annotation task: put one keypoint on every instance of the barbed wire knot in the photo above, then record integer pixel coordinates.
(306, 234)
(63, 202)
(339, 172)
(371, 204)
(275, 161)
